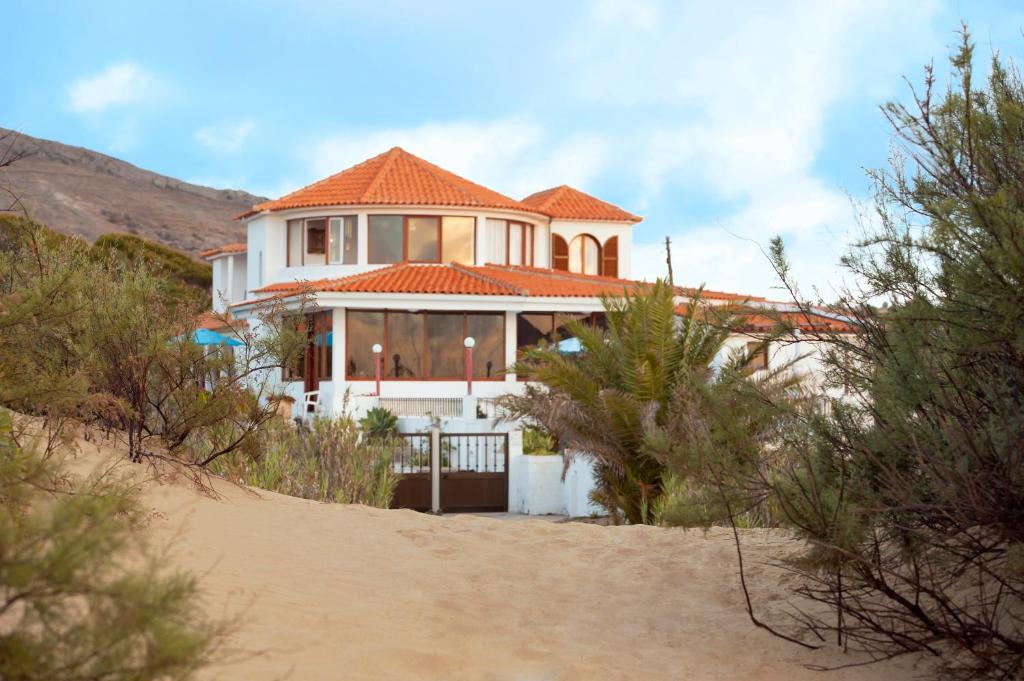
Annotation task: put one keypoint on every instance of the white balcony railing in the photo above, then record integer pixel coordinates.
(441, 407)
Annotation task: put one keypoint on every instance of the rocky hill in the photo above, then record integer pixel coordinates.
(79, 191)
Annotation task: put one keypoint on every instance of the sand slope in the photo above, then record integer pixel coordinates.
(346, 592)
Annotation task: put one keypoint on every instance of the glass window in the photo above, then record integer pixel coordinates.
(364, 330)
(423, 239)
(294, 243)
(515, 243)
(405, 345)
(488, 330)
(531, 329)
(585, 255)
(344, 240)
(316, 242)
(385, 239)
(457, 239)
(444, 345)
(496, 242)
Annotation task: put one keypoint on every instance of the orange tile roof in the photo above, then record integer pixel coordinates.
(394, 178)
(455, 279)
(224, 250)
(494, 280)
(572, 204)
(761, 319)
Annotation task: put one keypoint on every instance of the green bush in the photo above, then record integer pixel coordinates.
(536, 442)
(81, 596)
(326, 459)
(379, 423)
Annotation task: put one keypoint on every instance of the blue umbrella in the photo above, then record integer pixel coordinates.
(211, 337)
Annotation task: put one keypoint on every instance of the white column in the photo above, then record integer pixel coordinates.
(229, 285)
(435, 470)
(363, 235)
(338, 361)
(510, 344)
(482, 247)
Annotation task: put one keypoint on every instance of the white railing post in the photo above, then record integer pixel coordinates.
(435, 470)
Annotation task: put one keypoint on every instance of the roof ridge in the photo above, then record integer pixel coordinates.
(472, 271)
(392, 154)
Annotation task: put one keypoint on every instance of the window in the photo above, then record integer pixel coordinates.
(445, 335)
(549, 329)
(421, 238)
(425, 345)
(488, 330)
(509, 243)
(384, 239)
(424, 236)
(457, 237)
(344, 240)
(758, 353)
(496, 241)
(316, 359)
(316, 242)
(515, 243)
(294, 243)
(365, 329)
(584, 255)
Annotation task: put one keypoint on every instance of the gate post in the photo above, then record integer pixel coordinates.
(435, 470)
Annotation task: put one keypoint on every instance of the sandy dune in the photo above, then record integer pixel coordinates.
(346, 592)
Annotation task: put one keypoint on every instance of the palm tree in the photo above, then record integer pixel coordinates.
(608, 400)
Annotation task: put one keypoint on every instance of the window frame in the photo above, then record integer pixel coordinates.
(405, 236)
(526, 243)
(592, 319)
(327, 239)
(425, 365)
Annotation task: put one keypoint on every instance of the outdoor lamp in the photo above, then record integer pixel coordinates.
(377, 349)
(468, 344)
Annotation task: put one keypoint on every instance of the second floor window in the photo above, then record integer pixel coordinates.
(511, 243)
(420, 238)
(321, 241)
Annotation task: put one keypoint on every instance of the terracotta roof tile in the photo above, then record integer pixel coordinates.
(499, 280)
(395, 177)
(572, 204)
(224, 250)
(763, 318)
(455, 279)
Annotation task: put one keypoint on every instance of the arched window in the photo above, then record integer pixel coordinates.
(585, 255)
(610, 261)
(559, 253)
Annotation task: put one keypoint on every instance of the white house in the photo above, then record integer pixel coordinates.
(406, 261)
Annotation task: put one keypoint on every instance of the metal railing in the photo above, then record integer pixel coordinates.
(411, 453)
(442, 407)
(474, 452)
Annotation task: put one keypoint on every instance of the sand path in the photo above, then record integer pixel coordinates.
(346, 592)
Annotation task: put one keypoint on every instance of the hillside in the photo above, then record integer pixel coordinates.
(78, 191)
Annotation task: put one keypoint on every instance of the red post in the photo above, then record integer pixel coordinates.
(468, 344)
(376, 366)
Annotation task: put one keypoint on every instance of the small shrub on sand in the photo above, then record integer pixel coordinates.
(81, 595)
(326, 459)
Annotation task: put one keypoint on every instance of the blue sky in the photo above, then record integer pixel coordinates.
(722, 127)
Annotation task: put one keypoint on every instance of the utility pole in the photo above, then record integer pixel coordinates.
(668, 260)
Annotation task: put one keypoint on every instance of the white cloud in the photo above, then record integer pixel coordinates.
(117, 85)
(741, 97)
(227, 138)
(512, 156)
